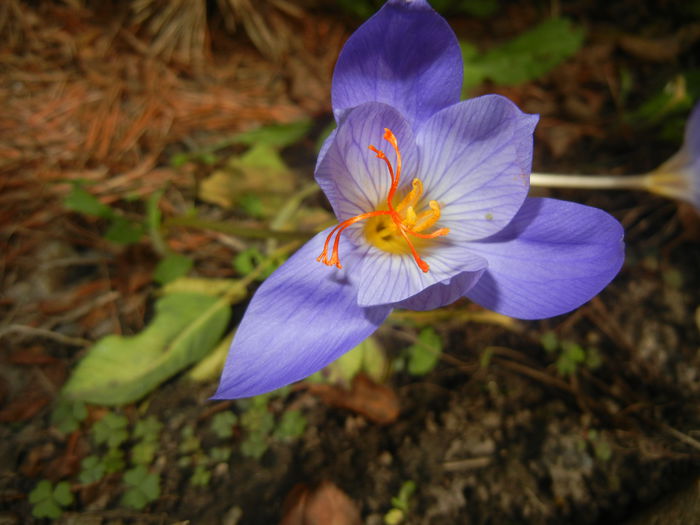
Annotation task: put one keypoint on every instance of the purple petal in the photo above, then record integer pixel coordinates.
(692, 133)
(475, 161)
(390, 278)
(443, 293)
(553, 257)
(406, 56)
(352, 177)
(304, 316)
(692, 147)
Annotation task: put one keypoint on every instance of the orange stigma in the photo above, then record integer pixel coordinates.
(397, 223)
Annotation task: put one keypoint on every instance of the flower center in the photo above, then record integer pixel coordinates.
(391, 229)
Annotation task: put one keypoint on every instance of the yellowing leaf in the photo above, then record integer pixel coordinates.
(118, 370)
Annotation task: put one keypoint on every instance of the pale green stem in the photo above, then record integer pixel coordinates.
(597, 182)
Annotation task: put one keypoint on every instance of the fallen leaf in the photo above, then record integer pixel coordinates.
(376, 402)
(324, 505)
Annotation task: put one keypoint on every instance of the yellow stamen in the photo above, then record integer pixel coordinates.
(384, 225)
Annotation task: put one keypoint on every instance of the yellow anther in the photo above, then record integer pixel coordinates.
(428, 217)
(413, 196)
(411, 217)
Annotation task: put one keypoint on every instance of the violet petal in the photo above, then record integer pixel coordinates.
(475, 160)
(304, 316)
(553, 257)
(407, 56)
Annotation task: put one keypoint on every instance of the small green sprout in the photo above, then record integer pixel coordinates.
(201, 476)
(549, 342)
(601, 446)
(189, 443)
(400, 504)
(143, 487)
(148, 429)
(110, 430)
(258, 422)
(220, 454)
(291, 426)
(114, 461)
(424, 354)
(143, 452)
(67, 415)
(222, 424)
(572, 355)
(49, 501)
(92, 470)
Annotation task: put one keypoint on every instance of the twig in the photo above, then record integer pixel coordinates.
(42, 332)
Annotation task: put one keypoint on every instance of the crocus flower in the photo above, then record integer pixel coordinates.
(679, 177)
(431, 198)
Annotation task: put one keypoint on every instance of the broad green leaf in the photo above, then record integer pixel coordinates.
(118, 370)
(424, 354)
(527, 57)
(171, 267)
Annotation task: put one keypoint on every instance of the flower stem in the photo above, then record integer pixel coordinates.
(598, 182)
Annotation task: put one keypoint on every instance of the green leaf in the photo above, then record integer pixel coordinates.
(143, 452)
(528, 56)
(47, 509)
(275, 135)
(571, 356)
(62, 494)
(68, 415)
(143, 487)
(549, 342)
(119, 370)
(92, 470)
(222, 424)
(425, 353)
(41, 492)
(111, 430)
(124, 231)
(200, 477)
(291, 426)
(220, 454)
(171, 267)
(114, 461)
(247, 260)
(82, 201)
(189, 442)
(48, 500)
(402, 501)
(148, 429)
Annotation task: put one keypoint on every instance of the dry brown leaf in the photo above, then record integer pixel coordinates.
(376, 402)
(324, 505)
